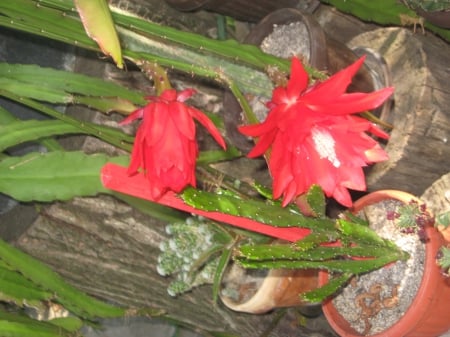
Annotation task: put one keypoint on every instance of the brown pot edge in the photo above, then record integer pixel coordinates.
(413, 322)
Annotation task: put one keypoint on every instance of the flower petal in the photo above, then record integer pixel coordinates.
(136, 154)
(168, 95)
(137, 114)
(376, 154)
(255, 130)
(335, 85)
(185, 94)
(353, 178)
(179, 112)
(155, 121)
(165, 149)
(353, 103)
(206, 122)
(342, 196)
(262, 144)
(298, 81)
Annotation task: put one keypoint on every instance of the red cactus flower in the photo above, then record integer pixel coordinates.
(165, 148)
(314, 139)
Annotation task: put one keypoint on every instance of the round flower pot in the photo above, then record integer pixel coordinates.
(427, 315)
(256, 291)
(239, 9)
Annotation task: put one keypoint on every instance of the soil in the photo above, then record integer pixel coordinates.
(375, 301)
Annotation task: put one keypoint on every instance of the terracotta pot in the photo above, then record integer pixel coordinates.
(427, 315)
(243, 10)
(280, 288)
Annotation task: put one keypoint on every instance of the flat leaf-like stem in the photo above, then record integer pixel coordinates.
(265, 212)
(74, 300)
(330, 288)
(60, 84)
(57, 175)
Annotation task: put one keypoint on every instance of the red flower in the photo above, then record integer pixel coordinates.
(165, 148)
(314, 138)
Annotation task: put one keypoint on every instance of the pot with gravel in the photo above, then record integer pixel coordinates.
(405, 298)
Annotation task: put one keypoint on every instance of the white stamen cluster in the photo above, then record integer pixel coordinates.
(325, 145)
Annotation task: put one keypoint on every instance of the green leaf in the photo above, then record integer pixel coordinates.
(32, 17)
(15, 329)
(443, 219)
(316, 200)
(41, 92)
(99, 25)
(314, 239)
(153, 209)
(72, 299)
(6, 118)
(320, 294)
(261, 211)
(53, 176)
(347, 266)
(17, 289)
(286, 252)
(19, 132)
(263, 190)
(386, 12)
(18, 325)
(220, 270)
(112, 136)
(183, 53)
(360, 234)
(444, 259)
(214, 156)
(106, 104)
(70, 323)
(30, 80)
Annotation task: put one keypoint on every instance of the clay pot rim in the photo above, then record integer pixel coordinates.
(431, 278)
(259, 302)
(285, 16)
(280, 288)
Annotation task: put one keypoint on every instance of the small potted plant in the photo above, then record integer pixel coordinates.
(402, 299)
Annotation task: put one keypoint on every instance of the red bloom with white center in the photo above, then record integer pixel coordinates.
(165, 148)
(314, 137)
